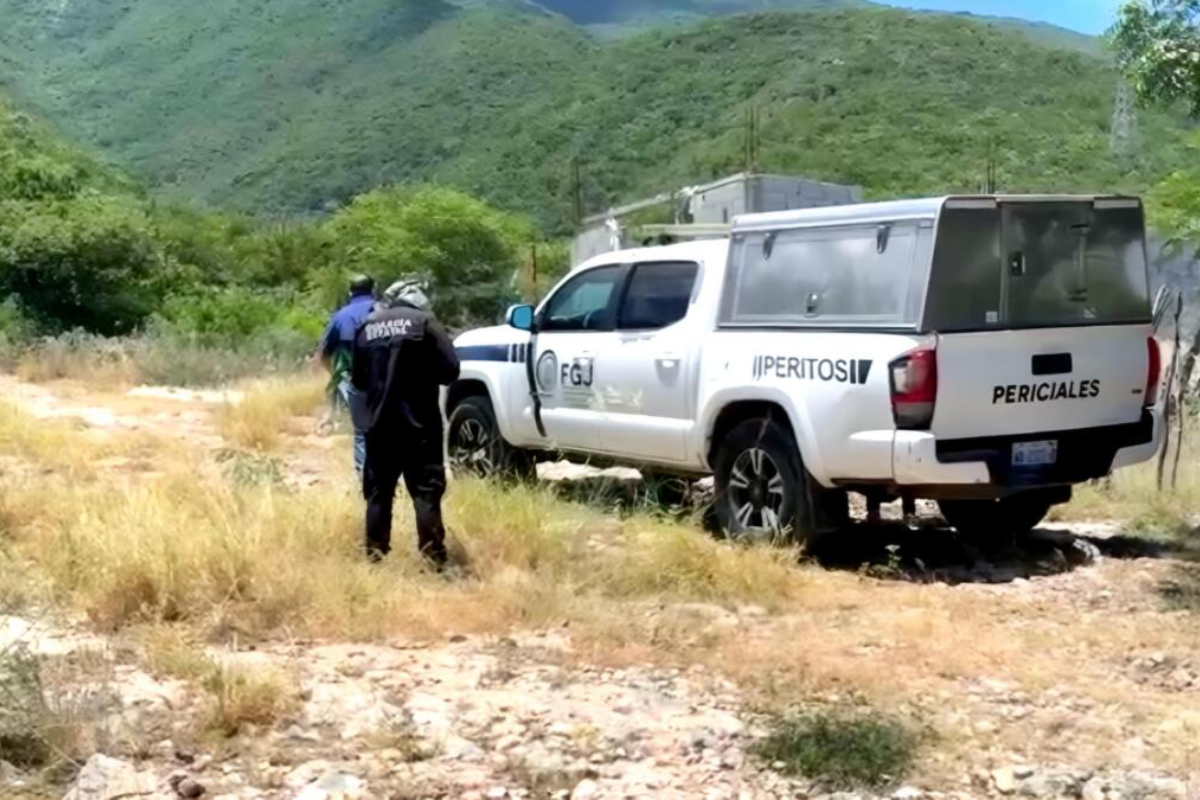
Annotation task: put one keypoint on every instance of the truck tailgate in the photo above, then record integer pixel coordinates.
(1018, 382)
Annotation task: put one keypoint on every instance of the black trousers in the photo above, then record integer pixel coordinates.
(418, 458)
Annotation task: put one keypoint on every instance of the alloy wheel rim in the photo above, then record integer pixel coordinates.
(473, 448)
(756, 496)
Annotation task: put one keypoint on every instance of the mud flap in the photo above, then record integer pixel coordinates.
(828, 509)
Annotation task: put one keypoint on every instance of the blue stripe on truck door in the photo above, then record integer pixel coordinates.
(503, 353)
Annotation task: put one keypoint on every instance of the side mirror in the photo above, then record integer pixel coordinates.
(520, 317)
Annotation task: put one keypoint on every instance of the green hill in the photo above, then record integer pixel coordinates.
(291, 106)
(294, 107)
(35, 162)
(619, 18)
(629, 15)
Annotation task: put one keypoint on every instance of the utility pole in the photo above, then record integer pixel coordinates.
(1125, 139)
(990, 182)
(753, 141)
(534, 268)
(577, 192)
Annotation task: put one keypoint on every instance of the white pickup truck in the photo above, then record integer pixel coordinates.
(985, 352)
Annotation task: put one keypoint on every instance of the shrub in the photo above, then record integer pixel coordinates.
(15, 325)
(230, 316)
(41, 727)
(848, 752)
(80, 356)
(23, 710)
(80, 262)
(241, 696)
(164, 358)
(158, 357)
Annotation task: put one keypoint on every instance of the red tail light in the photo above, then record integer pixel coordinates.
(1153, 372)
(914, 389)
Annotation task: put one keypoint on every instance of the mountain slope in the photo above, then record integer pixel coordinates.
(900, 103)
(627, 17)
(223, 104)
(197, 98)
(617, 12)
(36, 163)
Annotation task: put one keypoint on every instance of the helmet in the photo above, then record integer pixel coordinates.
(408, 292)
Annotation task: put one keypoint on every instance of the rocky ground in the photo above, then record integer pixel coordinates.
(1097, 695)
(519, 716)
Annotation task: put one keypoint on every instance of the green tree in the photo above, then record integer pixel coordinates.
(468, 251)
(82, 262)
(1157, 44)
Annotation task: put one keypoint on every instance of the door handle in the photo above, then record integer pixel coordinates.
(1016, 264)
(669, 360)
(1056, 364)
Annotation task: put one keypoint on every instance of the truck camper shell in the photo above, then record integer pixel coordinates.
(948, 264)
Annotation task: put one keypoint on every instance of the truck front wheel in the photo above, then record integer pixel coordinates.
(476, 447)
(763, 491)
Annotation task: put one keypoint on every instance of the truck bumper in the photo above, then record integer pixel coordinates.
(984, 467)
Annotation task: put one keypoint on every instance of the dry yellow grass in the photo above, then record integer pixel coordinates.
(49, 443)
(97, 363)
(47, 448)
(194, 546)
(260, 420)
(173, 651)
(190, 555)
(240, 696)
(1132, 496)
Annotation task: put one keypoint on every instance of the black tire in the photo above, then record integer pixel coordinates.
(763, 491)
(475, 446)
(996, 523)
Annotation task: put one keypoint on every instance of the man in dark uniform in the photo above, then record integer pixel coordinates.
(401, 358)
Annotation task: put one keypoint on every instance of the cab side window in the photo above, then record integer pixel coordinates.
(658, 296)
(584, 303)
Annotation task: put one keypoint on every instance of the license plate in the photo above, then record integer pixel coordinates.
(1035, 454)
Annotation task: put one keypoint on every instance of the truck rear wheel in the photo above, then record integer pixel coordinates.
(995, 523)
(476, 447)
(763, 491)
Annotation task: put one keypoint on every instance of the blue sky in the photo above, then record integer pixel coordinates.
(1088, 16)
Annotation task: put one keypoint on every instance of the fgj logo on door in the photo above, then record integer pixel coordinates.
(578, 375)
(854, 371)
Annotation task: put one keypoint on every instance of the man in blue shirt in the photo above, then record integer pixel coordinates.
(337, 354)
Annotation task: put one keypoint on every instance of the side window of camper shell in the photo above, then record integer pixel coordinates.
(861, 275)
